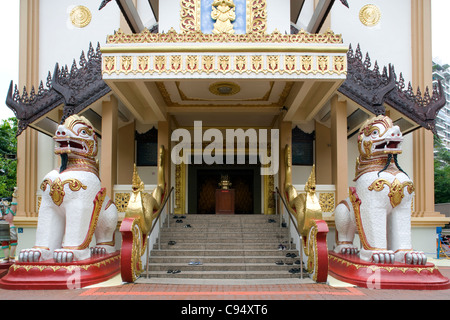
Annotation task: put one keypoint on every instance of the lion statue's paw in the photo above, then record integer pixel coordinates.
(68, 256)
(379, 257)
(101, 250)
(346, 249)
(34, 255)
(412, 257)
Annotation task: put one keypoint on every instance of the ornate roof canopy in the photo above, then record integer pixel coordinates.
(374, 90)
(78, 88)
(75, 90)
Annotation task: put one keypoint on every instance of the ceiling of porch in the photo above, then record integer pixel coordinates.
(223, 102)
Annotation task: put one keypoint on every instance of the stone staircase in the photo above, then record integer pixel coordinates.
(224, 247)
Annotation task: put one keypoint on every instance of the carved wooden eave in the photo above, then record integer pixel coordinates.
(374, 91)
(74, 90)
(80, 87)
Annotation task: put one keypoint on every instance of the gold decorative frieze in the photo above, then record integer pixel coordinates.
(196, 36)
(143, 64)
(126, 64)
(109, 64)
(258, 16)
(206, 64)
(192, 64)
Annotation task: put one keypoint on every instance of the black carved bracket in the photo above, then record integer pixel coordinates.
(365, 86)
(76, 90)
(372, 90)
(421, 109)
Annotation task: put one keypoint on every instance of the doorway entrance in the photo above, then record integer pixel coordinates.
(203, 181)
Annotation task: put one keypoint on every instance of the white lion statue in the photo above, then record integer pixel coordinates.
(379, 207)
(74, 206)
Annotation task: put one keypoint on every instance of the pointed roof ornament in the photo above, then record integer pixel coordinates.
(345, 3)
(103, 4)
(310, 186)
(137, 183)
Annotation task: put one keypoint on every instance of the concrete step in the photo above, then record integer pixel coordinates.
(228, 247)
(219, 252)
(187, 259)
(226, 275)
(248, 245)
(209, 236)
(221, 267)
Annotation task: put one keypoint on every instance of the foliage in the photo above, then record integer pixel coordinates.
(441, 172)
(8, 161)
(438, 67)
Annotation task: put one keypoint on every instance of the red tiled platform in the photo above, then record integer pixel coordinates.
(188, 292)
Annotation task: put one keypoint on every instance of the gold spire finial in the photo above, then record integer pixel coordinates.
(137, 184)
(311, 184)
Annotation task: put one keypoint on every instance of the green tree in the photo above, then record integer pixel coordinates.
(441, 172)
(8, 160)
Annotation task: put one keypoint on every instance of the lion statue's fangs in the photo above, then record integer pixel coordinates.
(74, 206)
(379, 206)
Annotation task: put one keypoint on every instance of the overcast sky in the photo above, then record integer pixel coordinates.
(9, 23)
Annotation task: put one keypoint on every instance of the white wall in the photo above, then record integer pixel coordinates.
(169, 15)
(405, 160)
(387, 42)
(62, 42)
(300, 174)
(278, 16)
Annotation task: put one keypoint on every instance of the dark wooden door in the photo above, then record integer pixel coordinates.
(242, 184)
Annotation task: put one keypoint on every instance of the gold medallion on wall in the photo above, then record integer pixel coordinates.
(370, 15)
(80, 16)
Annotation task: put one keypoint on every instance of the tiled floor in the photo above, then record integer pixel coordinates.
(179, 290)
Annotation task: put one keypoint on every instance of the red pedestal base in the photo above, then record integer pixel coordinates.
(48, 275)
(5, 266)
(363, 274)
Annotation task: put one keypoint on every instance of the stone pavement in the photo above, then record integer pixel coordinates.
(183, 290)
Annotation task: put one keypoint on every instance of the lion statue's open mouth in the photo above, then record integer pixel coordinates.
(76, 137)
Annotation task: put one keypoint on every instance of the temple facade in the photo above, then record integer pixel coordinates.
(224, 87)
